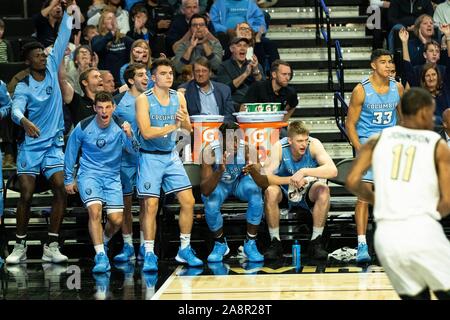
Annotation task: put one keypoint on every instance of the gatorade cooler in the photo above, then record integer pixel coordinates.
(206, 130)
(261, 130)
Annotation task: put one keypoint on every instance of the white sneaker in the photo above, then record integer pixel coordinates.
(52, 254)
(18, 255)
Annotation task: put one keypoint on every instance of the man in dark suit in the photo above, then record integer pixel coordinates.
(204, 96)
(445, 133)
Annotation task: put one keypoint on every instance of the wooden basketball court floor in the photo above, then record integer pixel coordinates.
(283, 283)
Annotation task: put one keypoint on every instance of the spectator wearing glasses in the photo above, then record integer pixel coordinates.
(201, 44)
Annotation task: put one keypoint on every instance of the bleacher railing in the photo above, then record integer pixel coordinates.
(323, 27)
(339, 63)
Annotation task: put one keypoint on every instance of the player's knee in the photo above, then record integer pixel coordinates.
(188, 201)
(323, 194)
(26, 194)
(271, 194)
(116, 218)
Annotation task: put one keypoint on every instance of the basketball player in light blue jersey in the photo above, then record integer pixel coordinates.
(37, 107)
(221, 176)
(293, 170)
(101, 139)
(136, 78)
(5, 110)
(374, 106)
(161, 111)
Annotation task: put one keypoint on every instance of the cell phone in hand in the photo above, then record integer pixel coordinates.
(249, 55)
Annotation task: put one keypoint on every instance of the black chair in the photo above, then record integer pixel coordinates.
(343, 167)
(8, 70)
(18, 27)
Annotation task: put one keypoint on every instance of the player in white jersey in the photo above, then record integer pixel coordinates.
(411, 167)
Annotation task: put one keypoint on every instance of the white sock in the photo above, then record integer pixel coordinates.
(141, 235)
(274, 233)
(99, 249)
(185, 239)
(362, 238)
(128, 238)
(149, 246)
(316, 232)
(105, 239)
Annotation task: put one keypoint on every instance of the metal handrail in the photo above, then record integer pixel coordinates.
(339, 63)
(323, 26)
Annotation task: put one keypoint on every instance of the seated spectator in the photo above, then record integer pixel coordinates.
(238, 72)
(177, 6)
(47, 22)
(265, 50)
(204, 96)
(122, 19)
(431, 80)
(108, 82)
(179, 27)
(140, 53)
(442, 13)
(225, 20)
(432, 53)
(201, 44)
(111, 46)
(96, 7)
(6, 53)
(275, 89)
(160, 15)
(87, 34)
(83, 58)
(403, 14)
(138, 23)
(423, 32)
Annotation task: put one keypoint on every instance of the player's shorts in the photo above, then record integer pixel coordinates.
(414, 253)
(368, 175)
(161, 170)
(104, 189)
(128, 179)
(48, 161)
(305, 203)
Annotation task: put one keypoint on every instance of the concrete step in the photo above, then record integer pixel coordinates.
(310, 3)
(277, 13)
(321, 76)
(308, 32)
(321, 54)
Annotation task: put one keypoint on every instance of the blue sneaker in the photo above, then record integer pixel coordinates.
(102, 285)
(150, 262)
(363, 253)
(191, 271)
(219, 251)
(141, 254)
(219, 268)
(126, 267)
(101, 263)
(187, 255)
(127, 254)
(150, 278)
(252, 267)
(251, 251)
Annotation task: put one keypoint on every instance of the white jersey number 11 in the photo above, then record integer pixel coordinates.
(410, 152)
